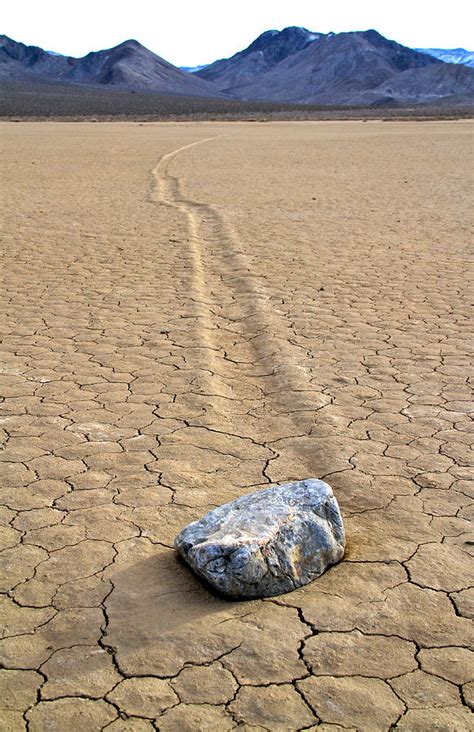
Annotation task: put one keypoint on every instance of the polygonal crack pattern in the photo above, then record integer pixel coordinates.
(269, 303)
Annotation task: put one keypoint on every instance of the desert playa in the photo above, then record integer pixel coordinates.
(193, 311)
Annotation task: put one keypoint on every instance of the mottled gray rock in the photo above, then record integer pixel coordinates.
(266, 543)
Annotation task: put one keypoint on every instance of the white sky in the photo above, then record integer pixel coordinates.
(191, 33)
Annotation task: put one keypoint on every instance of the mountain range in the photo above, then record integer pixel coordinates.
(294, 65)
(128, 65)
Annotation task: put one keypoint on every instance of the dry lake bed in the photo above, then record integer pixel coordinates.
(193, 311)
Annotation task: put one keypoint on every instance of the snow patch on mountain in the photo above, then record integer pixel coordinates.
(193, 69)
(451, 55)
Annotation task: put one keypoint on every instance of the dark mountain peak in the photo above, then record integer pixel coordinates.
(373, 36)
(128, 65)
(119, 65)
(130, 44)
(296, 31)
(291, 30)
(20, 51)
(289, 40)
(7, 41)
(18, 60)
(264, 37)
(400, 56)
(121, 49)
(263, 54)
(335, 68)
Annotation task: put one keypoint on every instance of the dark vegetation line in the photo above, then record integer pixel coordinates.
(56, 101)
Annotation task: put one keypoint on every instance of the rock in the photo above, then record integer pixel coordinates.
(266, 543)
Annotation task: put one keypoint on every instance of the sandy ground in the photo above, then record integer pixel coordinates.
(194, 311)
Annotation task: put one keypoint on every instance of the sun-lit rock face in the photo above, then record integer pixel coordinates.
(268, 542)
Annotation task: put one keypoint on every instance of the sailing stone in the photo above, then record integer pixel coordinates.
(268, 542)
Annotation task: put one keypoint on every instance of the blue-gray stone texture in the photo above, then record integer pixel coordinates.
(268, 542)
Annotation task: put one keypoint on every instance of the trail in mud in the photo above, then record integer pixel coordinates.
(256, 383)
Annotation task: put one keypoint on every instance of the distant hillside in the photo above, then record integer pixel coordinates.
(451, 56)
(292, 66)
(333, 69)
(128, 65)
(264, 54)
(18, 61)
(445, 83)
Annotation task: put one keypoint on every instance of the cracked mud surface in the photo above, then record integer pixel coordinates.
(195, 311)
